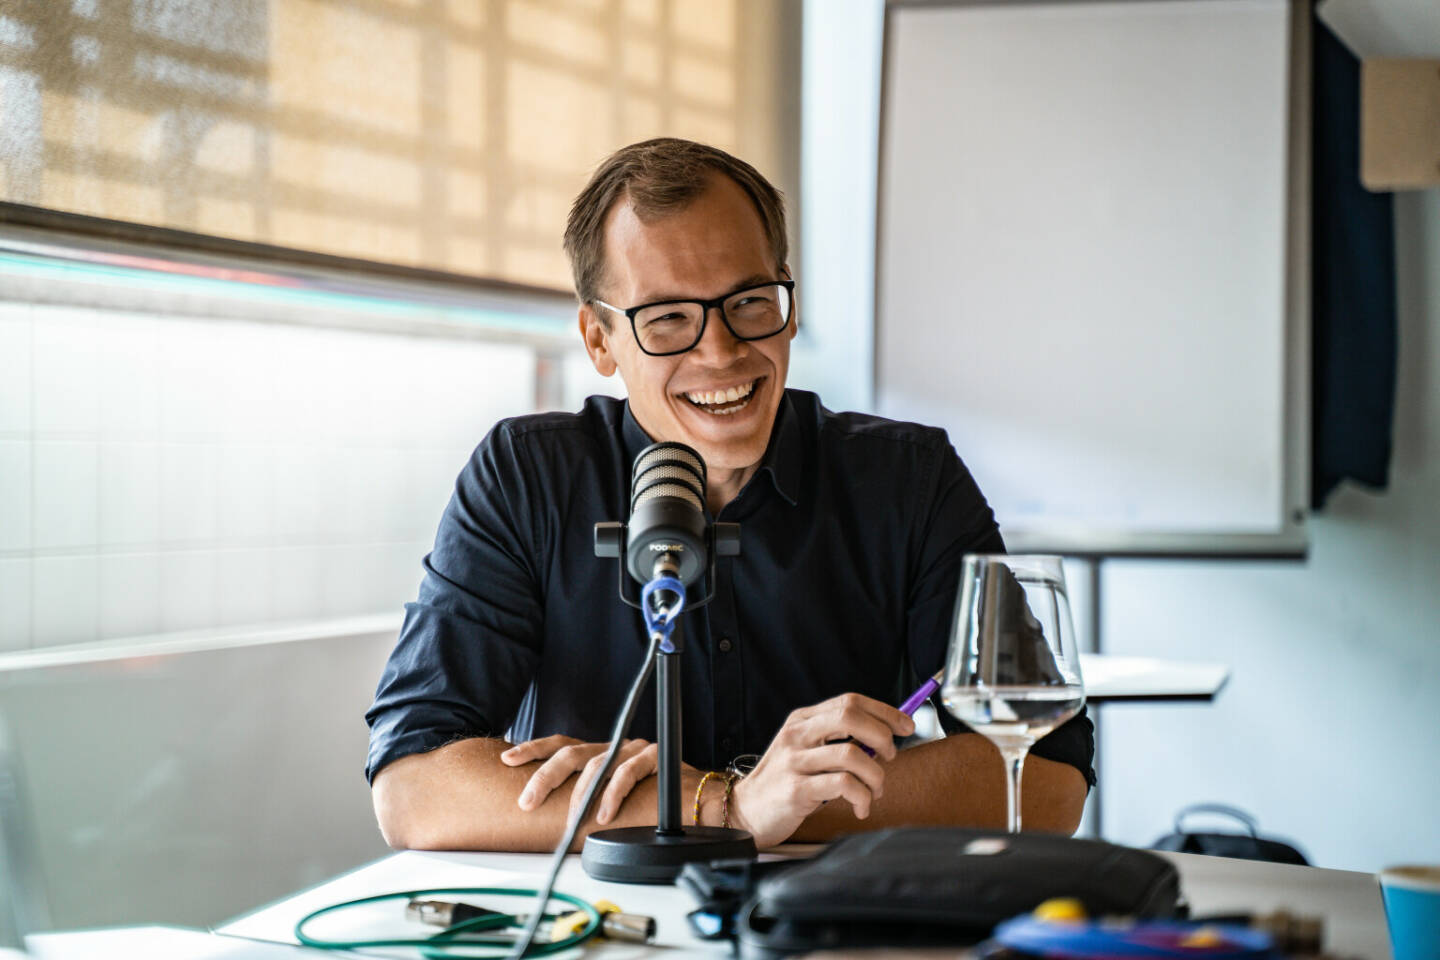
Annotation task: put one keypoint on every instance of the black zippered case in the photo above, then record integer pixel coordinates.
(944, 887)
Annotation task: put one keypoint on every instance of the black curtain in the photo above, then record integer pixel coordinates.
(1353, 250)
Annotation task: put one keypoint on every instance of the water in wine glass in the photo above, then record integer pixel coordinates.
(1012, 716)
(1013, 672)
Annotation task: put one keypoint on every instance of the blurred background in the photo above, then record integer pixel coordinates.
(270, 270)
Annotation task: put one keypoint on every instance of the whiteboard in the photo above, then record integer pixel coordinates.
(1091, 266)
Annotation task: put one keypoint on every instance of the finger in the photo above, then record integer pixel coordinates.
(592, 768)
(829, 786)
(847, 715)
(542, 747)
(552, 773)
(535, 749)
(900, 724)
(626, 776)
(799, 715)
(844, 758)
(801, 726)
(628, 749)
(582, 784)
(850, 721)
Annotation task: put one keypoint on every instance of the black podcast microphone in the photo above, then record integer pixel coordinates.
(667, 546)
(666, 532)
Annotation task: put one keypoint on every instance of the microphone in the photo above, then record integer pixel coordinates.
(666, 531)
(666, 546)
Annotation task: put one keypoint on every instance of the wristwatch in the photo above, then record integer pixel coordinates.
(743, 764)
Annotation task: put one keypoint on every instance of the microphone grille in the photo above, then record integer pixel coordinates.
(669, 489)
(667, 454)
(666, 471)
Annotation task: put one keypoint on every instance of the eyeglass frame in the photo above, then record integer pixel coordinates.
(705, 307)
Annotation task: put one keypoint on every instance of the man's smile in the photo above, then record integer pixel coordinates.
(723, 401)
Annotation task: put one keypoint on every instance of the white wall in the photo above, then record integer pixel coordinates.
(840, 89)
(1326, 728)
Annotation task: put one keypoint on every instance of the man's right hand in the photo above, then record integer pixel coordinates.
(815, 758)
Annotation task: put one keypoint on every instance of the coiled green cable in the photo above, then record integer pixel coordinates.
(433, 947)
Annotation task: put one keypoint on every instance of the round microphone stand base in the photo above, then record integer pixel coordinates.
(644, 855)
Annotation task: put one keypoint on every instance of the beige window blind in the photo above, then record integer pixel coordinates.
(442, 134)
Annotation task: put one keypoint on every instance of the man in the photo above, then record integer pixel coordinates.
(853, 530)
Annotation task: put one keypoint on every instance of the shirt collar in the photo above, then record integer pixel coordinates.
(635, 437)
(782, 456)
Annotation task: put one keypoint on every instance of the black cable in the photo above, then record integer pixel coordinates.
(622, 727)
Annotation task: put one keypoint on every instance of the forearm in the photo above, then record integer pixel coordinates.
(462, 797)
(957, 781)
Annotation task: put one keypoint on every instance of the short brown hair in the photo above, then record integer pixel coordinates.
(659, 177)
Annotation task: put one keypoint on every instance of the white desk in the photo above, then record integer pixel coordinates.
(1109, 678)
(1349, 902)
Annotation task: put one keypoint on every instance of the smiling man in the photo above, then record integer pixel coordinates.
(492, 710)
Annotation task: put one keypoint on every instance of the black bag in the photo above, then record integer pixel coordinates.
(944, 887)
(1248, 846)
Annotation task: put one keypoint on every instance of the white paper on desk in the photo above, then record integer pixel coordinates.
(157, 943)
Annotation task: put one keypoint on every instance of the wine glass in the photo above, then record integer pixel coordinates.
(1013, 673)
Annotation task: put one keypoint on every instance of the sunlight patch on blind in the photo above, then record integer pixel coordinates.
(445, 134)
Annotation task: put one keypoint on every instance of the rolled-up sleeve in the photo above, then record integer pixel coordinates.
(469, 646)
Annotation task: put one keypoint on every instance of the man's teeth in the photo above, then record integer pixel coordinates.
(721, 396)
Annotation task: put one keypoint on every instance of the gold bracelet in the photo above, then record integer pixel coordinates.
(729, 789)
(700, 790)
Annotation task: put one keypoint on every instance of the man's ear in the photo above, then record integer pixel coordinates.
(597, 341)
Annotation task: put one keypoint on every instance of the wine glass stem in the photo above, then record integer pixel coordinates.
(1014, 765)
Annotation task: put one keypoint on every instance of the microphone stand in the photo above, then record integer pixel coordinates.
(667, 728)
(657, 854)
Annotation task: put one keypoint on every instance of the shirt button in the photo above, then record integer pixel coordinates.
(725, 644)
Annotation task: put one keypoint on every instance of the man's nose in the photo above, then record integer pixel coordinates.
(717, 344)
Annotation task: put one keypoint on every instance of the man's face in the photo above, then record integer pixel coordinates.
(713, 247)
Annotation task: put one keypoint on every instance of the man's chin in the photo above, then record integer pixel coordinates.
(726, 445)
(728, 459)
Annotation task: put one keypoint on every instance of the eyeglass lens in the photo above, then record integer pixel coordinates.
(752, 314)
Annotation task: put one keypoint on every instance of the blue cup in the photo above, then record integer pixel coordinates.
(1412, 911)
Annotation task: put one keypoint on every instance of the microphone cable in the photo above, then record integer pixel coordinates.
(667, 513)
(660, 629)
(668, 488)
(660, 625)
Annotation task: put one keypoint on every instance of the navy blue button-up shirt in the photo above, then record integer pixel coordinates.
(852, 535)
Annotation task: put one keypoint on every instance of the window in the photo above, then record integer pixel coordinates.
(450, 136)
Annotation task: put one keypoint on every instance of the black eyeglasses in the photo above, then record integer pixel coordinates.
(673, 326)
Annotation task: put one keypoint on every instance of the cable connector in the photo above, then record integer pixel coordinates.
(614, 925)
(443, 913)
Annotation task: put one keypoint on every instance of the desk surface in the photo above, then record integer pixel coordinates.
(1110, 678)
(1349, 902)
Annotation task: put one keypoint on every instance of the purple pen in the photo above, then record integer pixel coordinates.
(912, 702)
